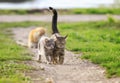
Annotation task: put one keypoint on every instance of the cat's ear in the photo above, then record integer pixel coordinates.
(65, 36)
(46, 40)
(56, 36)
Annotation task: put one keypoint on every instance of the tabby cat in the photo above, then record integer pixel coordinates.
(45, 49)
(34, 36)
(60, 41)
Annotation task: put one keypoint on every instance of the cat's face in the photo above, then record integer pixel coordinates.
(60, 42)
(49, 44)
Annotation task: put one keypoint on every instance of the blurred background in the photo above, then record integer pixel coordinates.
(65, 4)
(69, 6)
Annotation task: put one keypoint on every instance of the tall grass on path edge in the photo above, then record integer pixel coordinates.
(99, 42)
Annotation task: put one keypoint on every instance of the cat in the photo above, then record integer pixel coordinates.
(60, 41)
(45, 49)
(34, 36)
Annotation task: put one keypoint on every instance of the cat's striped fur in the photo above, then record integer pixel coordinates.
(60, 41)
(45, 49)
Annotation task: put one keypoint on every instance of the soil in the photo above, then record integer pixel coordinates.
(74, 69)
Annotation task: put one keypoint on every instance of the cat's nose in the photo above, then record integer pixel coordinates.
(52, 47)
(62, 46)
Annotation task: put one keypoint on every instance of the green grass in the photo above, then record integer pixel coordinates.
(63, 11)
(96, 11)
(12, 56)
(98, 41)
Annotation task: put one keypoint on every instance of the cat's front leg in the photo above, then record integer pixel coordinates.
(55, 61)
(48, 59)
(52, 59)
(61, 59)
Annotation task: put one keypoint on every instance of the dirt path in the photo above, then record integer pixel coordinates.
(47, 18)
(74, 70)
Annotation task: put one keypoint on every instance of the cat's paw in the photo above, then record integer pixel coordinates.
(54, 62)
(39, 61)
(48, 62)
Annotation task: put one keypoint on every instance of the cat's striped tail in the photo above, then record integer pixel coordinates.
(54, 20)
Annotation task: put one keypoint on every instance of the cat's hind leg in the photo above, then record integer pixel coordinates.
(55, 59)
(39, 58)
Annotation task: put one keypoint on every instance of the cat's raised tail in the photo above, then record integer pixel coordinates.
(54, 20)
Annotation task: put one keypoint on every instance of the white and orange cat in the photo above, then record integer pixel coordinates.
(34, 36)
